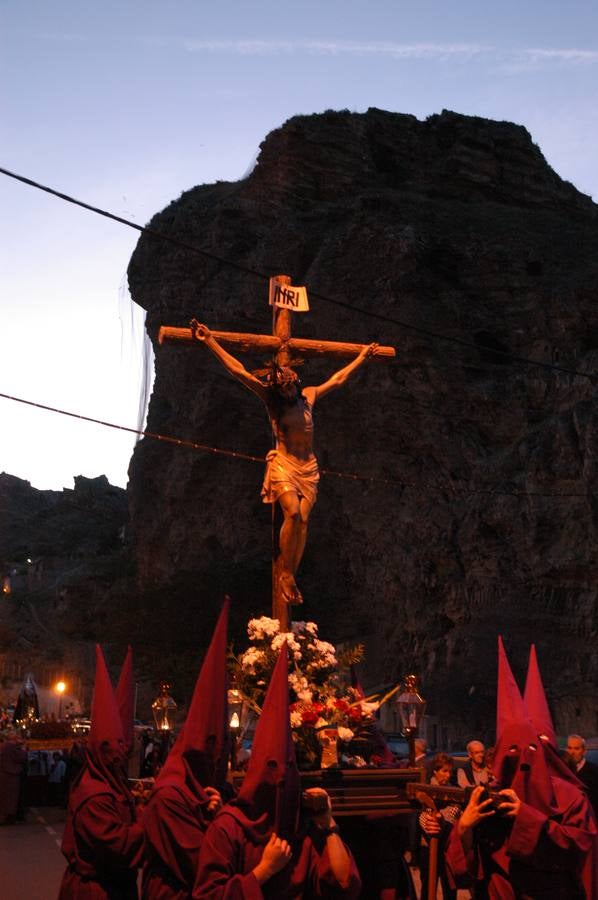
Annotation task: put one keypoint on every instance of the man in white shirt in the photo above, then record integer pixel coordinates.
(474, 771)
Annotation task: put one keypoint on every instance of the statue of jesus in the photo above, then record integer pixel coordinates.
(292, 475)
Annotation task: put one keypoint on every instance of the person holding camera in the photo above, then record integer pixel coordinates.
(266, 843)
(534, 837)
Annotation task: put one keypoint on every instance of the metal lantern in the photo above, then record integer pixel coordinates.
(235, 705)
(410, 706)
(163, 709)
(235, 716)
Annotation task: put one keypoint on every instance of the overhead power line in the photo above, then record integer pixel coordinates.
(343, 304)
(450, 488)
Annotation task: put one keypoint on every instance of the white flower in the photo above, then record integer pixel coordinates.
(324, 647)
(345, 734)
(288, 637)
(258, 629)
(311, 627)
(296, 719)
(327, 661)
(251, 658)
(368, 709)
(297, 682)
(306, 696)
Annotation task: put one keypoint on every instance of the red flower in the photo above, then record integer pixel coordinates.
(309, 716)
(341, 704)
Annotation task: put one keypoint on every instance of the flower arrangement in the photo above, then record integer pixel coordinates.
(320, 697)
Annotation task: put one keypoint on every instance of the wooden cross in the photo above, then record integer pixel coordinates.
(284, 349)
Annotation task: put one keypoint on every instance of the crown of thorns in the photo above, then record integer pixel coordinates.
(278, 375)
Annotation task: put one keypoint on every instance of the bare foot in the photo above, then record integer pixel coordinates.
(289, 590)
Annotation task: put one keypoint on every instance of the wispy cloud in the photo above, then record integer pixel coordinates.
(570, 55)
(507, 61)
(541, 59)
(337, 48)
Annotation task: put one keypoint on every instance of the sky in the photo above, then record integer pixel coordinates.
(125, 105)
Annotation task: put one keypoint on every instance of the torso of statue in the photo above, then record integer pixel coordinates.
(293, 428)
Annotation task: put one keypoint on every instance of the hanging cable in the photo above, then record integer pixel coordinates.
(505, 354)
(451, 488)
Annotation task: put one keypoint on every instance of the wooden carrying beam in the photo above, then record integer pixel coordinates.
(259, 343)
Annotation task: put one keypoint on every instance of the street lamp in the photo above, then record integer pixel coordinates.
(410, 706)
(60, 688)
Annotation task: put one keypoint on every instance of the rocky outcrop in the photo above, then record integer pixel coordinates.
(63, 555)
(455, 241)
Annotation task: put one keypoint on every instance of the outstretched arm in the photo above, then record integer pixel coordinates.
(231, 364)
(342, 376)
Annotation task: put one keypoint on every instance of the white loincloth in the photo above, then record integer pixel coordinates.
(285, 474)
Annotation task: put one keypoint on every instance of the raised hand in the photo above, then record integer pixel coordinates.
(430, 823)
(476, 810)
(367, 352)
(200, 332)
(512, 804)
(275, 857)
(215, 801)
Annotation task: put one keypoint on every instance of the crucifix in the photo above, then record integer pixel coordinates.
(292, 475)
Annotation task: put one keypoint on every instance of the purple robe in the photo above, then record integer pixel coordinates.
(102, 843)
(229, 853)
(174, 828)
(535, 855)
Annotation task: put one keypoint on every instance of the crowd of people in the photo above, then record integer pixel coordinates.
(514, 822)
(528, 828)
(268, 840)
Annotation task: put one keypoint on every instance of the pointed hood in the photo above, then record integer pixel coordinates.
(104, 770)
(509, 702)
(536, 705)
(199, 757)
(519, 760)
(106, 724)
(532, 767)
(125, 697)
(106, 754)
(268, 799)
(535, 702)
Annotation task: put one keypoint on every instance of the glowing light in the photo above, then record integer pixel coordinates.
(60, 687)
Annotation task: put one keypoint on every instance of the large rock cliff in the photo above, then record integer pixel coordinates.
(453, 240)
